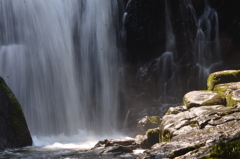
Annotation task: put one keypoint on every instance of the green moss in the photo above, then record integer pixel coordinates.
(194, 124)
(208, 131)
(153, 135)
(153, 119)
(228, 150)
(230, 101)
(168, 112)
(222, 77)
(218, 99)
(16, 118)
(220, 88)
(166, 136)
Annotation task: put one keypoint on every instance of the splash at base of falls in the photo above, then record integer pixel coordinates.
(61, 146)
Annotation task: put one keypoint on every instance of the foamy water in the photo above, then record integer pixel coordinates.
(82, 140)
(61, 146)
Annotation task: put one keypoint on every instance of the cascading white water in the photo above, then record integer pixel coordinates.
(203, 39)
(60, 59)
(206, 45)
(98, 64)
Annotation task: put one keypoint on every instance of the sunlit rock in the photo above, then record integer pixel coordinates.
(231, 91)
(192, 132)
(14, 131)
(176, 110)
(223, 77)
(148, 122)
(233, 99)
(227, 88)
(201, 98)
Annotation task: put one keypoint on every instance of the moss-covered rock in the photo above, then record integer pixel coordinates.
(222, 77)
(226, 150)
(165, 136)
(233, 99)
(153, 136)
(148, 122)
(200, 98)
(14, 131)
(227, 88)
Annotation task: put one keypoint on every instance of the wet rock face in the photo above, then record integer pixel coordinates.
(145, 28)
(14, 132)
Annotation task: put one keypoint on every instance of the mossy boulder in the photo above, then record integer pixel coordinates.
(222, 77)
(227, 88)
(153, 136)
(201, 98)
(14, 132)
(148, 122)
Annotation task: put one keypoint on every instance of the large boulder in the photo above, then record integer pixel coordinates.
(200, 98)
(14, 132)
(222, 77)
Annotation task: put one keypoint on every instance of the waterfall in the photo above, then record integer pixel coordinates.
(203, 32)
(60, 59)
(202, 48)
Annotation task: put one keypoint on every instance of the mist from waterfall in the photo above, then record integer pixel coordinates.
(60, 59)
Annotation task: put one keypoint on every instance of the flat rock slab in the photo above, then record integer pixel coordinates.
(200, 98)
(227, 88)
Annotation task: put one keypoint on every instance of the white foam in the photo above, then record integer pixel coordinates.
(82, 140)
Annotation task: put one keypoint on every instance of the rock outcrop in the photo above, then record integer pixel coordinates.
(223, 77)
(148, 122)
(206, 126)
(14, 131)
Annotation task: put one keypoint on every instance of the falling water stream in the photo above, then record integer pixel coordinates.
(60, 59)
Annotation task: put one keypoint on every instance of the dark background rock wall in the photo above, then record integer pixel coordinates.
(145, 41)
